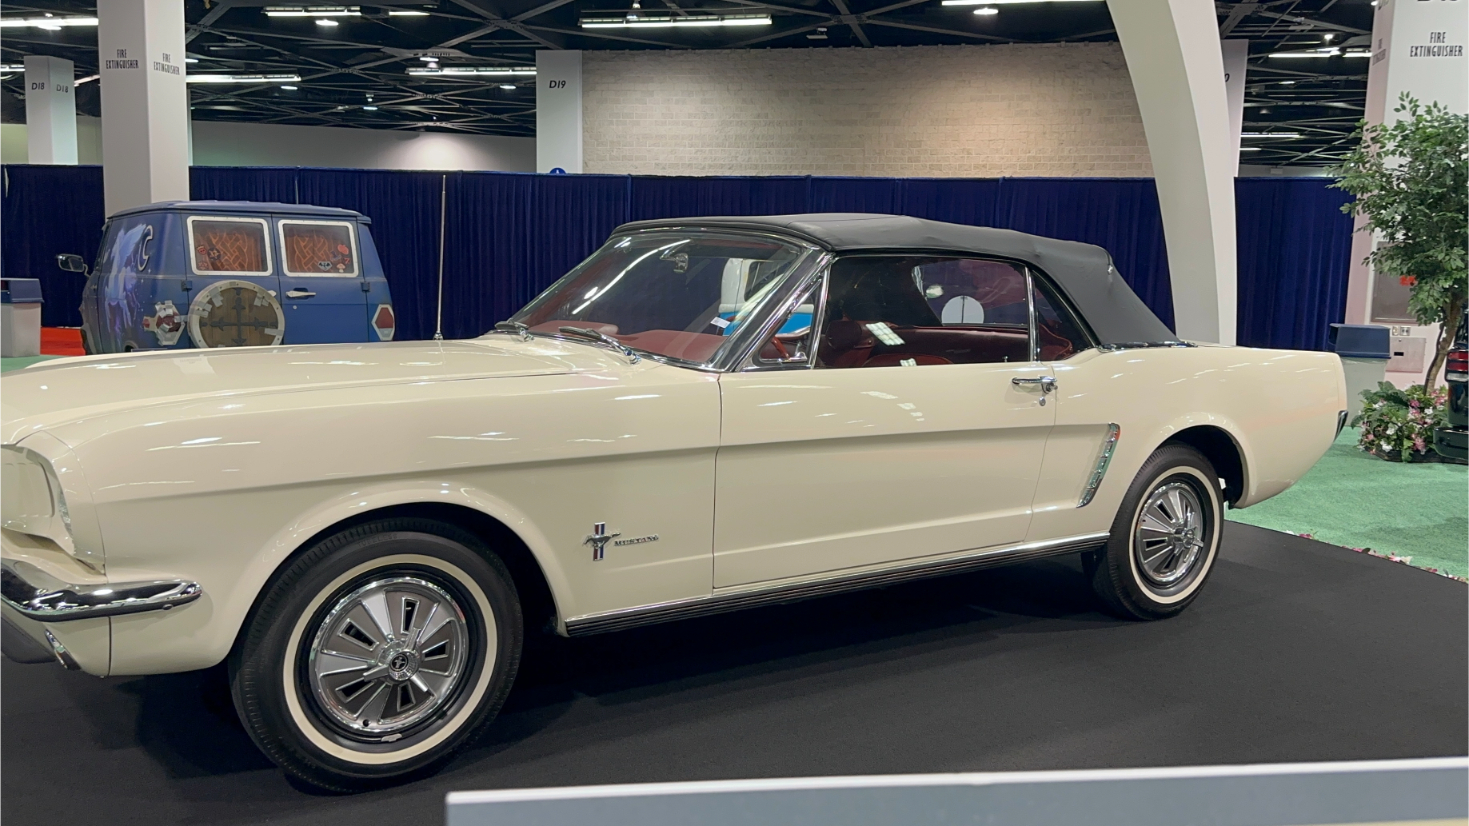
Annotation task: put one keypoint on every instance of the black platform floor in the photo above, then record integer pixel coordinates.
(1296, 651)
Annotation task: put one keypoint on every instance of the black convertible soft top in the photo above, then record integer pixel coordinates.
(1083, 271)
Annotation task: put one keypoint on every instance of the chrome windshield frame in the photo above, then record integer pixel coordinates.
(730, 354)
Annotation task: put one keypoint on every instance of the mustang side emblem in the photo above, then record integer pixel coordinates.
(598, 539)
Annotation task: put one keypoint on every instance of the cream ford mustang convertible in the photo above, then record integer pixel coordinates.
(706, 415)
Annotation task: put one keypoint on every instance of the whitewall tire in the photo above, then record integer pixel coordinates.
(377, 653)
(1164, 539)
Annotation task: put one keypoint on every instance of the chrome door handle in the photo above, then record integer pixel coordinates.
(300, 294)
(1047, 383)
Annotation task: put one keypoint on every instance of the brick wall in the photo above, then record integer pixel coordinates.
(930, 111)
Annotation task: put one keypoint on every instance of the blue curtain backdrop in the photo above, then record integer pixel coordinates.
(508, 236)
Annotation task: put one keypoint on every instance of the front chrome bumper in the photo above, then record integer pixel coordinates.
(40, 596)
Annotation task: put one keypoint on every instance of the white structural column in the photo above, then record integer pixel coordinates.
(1173, 54)
(51, 110)
(145, 103)
(1418, 48)
(1236, 67)
(558, 111)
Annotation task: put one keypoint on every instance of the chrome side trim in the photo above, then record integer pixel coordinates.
(1341, 421)
(1104, 459)
(719, 603)
(40, 596)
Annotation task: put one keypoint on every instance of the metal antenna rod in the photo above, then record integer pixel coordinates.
(443, 213)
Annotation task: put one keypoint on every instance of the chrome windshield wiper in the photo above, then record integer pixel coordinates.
(515, 328)
(602, 338)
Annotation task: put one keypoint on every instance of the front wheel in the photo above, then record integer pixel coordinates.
(1164, 538)
(378, 653)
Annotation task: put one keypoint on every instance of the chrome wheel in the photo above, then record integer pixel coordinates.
(1170, 534)
(388, 655)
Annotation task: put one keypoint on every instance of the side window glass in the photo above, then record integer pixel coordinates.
(1058, 335)
(910, 311)
(228, 246)
(790, 345)
(318, 248)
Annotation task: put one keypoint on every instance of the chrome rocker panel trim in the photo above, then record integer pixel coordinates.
(719, 603)
(40, 596)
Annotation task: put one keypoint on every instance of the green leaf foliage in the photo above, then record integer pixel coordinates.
(1411, 182)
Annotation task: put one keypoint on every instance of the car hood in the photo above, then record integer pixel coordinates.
(57, 392)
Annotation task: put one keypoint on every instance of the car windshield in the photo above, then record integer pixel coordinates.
(679, 294)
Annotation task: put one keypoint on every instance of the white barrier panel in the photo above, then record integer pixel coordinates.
(1287, 794)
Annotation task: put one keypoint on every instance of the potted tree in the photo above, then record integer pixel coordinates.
(1411, 182)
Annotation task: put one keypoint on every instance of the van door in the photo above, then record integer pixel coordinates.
(322, 281)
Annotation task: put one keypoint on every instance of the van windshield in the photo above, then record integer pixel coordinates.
(680, 294)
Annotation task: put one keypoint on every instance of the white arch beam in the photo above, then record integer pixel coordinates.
(1173, 54)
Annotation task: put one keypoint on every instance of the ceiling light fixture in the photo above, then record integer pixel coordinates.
(1007, 2)
(819, 34)
(370, 108)
(1356, 54)
(472, 70)
(326, 21)
(88, 79)
(408, 14)
(1315, 53)
(668, 21)
(1270, 134)
(1249, 149)
(509, 87)
(243, 78)
(986, 11)
(51, 23)
(290, 88)
(312, 11)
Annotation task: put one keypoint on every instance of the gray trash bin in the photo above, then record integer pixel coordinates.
(20, 317)
(1364, 351)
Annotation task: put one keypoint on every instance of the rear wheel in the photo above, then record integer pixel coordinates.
(378, 653)
(1164, 538)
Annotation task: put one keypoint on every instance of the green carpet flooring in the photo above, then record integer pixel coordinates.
(1354, 499)
(1349, 498)
(17, 363)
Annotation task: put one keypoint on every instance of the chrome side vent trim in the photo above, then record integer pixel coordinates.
(721, 603)
(1104, 458)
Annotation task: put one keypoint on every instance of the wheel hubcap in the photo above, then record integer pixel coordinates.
(388, 655)
(1169, 539)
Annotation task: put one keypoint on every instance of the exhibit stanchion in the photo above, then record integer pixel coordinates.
(1288, 794)
(443, 227)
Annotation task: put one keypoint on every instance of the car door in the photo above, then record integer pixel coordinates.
(322, 281)
(911, 423)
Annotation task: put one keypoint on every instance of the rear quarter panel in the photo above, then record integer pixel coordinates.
(1278, 406)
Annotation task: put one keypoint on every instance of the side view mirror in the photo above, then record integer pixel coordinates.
(71, 262)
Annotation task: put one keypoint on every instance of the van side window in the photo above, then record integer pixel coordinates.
(228, 246)
(318, 248)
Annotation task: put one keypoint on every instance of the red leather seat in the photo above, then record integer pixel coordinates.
(897, 359)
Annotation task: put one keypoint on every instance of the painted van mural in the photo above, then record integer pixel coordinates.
(184, 274)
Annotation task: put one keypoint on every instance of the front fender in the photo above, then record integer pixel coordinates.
(150, 643)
